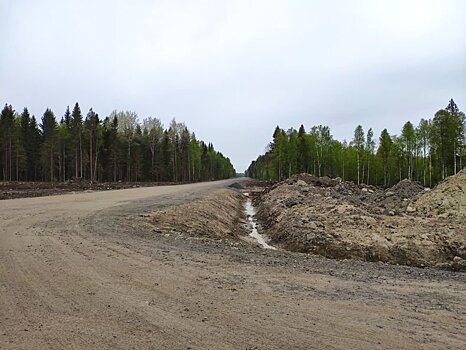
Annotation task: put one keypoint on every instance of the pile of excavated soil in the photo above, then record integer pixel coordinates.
(341, 220)
(393, 201)
(396, 199)
(447, 199)
(218, 215)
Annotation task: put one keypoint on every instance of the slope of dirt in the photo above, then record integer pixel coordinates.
(447, 199)
(341, 220)
(88, 271)
(216, 215)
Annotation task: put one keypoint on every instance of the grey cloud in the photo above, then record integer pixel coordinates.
(233, 70)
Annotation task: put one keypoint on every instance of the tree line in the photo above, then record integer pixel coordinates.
(426, 153)
(115, 148)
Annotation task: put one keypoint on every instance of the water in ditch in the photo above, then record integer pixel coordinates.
(250, 212)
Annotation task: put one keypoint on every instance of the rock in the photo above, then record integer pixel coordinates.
(389, 193)
(410, 209)
(458, 264)
(236, 185)
(310, 236)
(290, 202)
(312, 225)
(301, 183)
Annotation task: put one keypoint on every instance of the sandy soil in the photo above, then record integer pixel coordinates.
(404, 224)
(88, 271)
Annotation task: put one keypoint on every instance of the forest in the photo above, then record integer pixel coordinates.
(427, 153)
(115, 148)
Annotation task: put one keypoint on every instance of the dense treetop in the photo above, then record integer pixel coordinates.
(115, 148)
(427, 153)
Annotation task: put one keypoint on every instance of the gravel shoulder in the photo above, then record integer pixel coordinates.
(92, 270)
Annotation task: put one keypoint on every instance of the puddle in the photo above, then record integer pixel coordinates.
(250, 212)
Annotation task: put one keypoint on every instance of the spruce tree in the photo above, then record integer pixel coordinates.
(49, 132)
(76, 132)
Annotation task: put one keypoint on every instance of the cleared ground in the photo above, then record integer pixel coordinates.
(88, 271)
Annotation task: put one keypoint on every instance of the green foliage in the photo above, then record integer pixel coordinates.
(49, 143)
(384, 151)
(408, 141)
(117, 148)
(427, 153)
(7, 139)
(358, 144)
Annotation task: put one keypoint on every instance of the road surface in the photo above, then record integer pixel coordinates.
(85, 271)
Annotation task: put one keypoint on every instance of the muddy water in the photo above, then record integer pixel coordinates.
(250, 212)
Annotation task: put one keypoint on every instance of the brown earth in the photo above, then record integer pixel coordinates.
(13, 189)
(339, 219)
(216, 215)
(95, 271)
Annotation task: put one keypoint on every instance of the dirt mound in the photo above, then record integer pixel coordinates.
(448, 198)
(397, 198)
(406, 189)
(236, 185)
(345, 220)
(309, 179)
(393, 201)
(216, 215)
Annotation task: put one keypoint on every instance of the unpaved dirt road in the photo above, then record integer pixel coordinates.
(86, 271)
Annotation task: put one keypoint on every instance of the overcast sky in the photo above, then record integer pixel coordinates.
(233, 70)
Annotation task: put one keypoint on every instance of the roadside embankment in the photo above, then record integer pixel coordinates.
(217, 215)
(405, 224)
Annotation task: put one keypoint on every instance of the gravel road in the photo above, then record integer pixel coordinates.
(86, 271)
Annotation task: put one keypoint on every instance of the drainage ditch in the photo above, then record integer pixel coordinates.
(250, 212)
